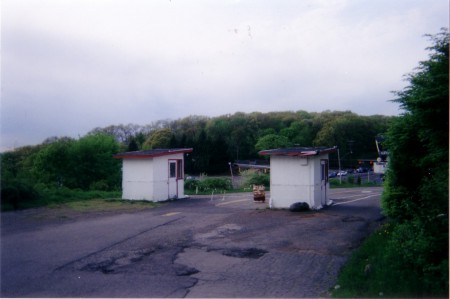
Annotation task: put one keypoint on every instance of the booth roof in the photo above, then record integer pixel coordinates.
(152, 153)
(298, 151)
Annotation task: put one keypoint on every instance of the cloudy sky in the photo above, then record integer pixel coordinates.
(68, 66)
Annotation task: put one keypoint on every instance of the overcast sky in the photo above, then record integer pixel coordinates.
(70, 66)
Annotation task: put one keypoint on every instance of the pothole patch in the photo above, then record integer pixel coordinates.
(251, 253)
(105, 267)
(219, 232)
(183, 270)
(113, 260)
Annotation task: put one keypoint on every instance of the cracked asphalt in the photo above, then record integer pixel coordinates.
(206, 246)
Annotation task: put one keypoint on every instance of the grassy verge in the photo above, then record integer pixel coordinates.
(104, 205)
(362, 275)
(379, 269)
(78, 200)
(336, 183)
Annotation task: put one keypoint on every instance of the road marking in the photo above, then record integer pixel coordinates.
(230, 202)
(171, 214)
(338, 192)
(344, 197)
(358, 199)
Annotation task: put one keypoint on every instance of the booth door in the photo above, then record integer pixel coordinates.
(176, 173)
(173, 185)
(324, 181)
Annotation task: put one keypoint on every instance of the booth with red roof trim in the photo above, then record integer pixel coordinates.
(299, 174)
(154, 175)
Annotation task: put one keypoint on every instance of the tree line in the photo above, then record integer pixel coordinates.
(239, 136)
(86, 163)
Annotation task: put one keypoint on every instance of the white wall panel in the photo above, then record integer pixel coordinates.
(296, 179)
(147, 178)
(137, 179)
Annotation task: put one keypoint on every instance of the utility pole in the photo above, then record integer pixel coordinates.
(339, 172)
(232, 177)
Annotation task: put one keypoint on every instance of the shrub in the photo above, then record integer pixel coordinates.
(351, 179)
(17, 194)
(101, 185)
(416, 192)
(337, 183)
(192, 184)
(257, 179)
(208, 184)
(386, 264)
(217, 183)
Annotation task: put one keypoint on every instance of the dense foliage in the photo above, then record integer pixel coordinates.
(408, 257)
(416, 196)
(87, 164)
(29, 173)
(227, 138)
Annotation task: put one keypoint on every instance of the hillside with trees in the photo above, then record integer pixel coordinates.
(228, 138)
(86, 163)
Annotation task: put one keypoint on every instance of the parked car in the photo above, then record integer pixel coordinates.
(332, 174)
(342, 173)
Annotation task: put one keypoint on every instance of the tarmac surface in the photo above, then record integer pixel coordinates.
(225, 245)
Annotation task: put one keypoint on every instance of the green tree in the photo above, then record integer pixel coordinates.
(132, 145)
(17, 180)
(241, 141)
(416, 193)
(353, 134)
(159, 139)
(219, 158)
(201, 156)
(304, 132)
(93, 164)
(54, 164)
(272, 141)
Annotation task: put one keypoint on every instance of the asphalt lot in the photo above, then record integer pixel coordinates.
(224, 245)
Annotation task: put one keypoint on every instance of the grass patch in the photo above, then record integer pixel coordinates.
(74, 199)
(379, 269)
(63, 195)
(362, 274)
(105, 205)
(335, 183)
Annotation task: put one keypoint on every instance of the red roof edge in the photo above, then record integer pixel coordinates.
(152, 153)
